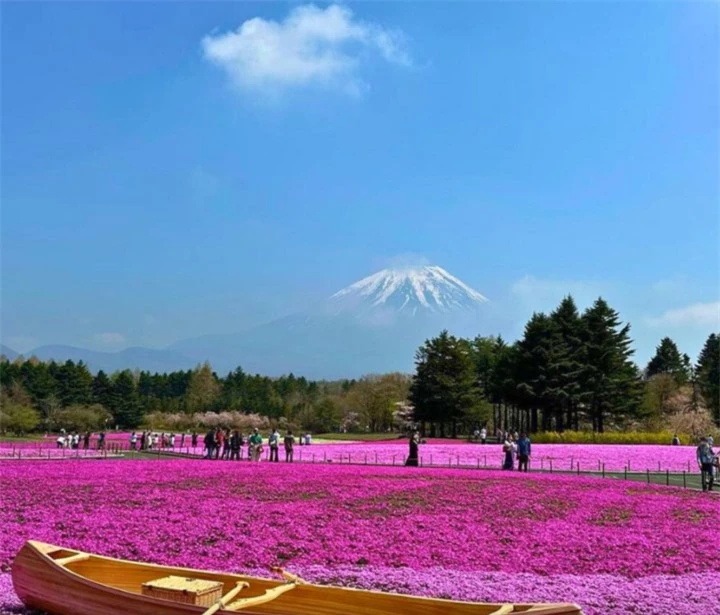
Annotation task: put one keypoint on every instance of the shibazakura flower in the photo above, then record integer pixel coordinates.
(610, 545)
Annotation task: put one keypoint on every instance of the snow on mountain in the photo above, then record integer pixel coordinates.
(410, 290)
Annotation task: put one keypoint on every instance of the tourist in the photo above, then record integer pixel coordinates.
(226, 445)
(194, 439)
(142, 441)
(308, 439)
(133, 441)
(255, 445)
(676, 440)
(710, 440)
(705, 459)
(483, 435)
(508, 462)
(274, 442)
(101, 441)
(289, 441)
(86, 440)
(412, 459)
(172, 441)
(219, 441)
(235, 444)
(209, 442)
(523, 452)
(61, 441)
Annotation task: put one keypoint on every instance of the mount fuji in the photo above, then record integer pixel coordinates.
(374, 325)
(408, 290)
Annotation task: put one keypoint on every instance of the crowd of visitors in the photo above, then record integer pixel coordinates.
(72, 440)
(226, 444)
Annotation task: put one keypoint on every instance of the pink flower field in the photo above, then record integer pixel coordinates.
(563, 457)
(611, 546)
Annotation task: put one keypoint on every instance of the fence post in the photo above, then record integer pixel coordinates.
(478, 463)
(625, 472)
(684, 482)
(603, 470)
(667, 477)
(551, 465)
(578, 467)
(648, 476)
(365, 458)
(376, 458)
(430, 458)
(628, 464)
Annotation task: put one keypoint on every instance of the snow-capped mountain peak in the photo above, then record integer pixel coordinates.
(409, 289)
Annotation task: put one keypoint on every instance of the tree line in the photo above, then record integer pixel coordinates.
(568, 371)
(49, 395)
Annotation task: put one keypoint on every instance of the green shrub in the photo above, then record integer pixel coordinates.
(610, 437)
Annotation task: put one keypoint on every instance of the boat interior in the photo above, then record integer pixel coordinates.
(290, 595)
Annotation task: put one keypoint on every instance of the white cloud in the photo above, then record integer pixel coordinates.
(109, 339)
(697, 314)
(311, 46)
(670, 285)
(545, 294)
(406, 259)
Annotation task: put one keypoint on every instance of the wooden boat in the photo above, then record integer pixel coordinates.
(63, 581)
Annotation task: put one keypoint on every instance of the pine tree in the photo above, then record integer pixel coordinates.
(610, 380)
(103, 391)
(126, 409)
(565, 363)
(533, 369)
(708, 374)
(443, 387)
(74, 384)
(668, 360)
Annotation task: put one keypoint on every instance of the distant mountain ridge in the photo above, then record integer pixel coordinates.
(374, 325)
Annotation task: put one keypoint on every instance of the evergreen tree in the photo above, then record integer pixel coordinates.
(443, 387)
(708, 374)
(127, 410)
(532, 369)
(103, 392)
(74, 384)
(610, 380)
(668, 360)
(565, 363)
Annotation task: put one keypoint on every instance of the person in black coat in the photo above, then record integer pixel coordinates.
(209, 442)
(412, 459)
(235, 444)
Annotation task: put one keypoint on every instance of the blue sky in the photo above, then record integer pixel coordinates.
(174, 169)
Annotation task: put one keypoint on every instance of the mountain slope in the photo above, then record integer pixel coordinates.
(8, 352)
(131, 358)
(374, 325)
